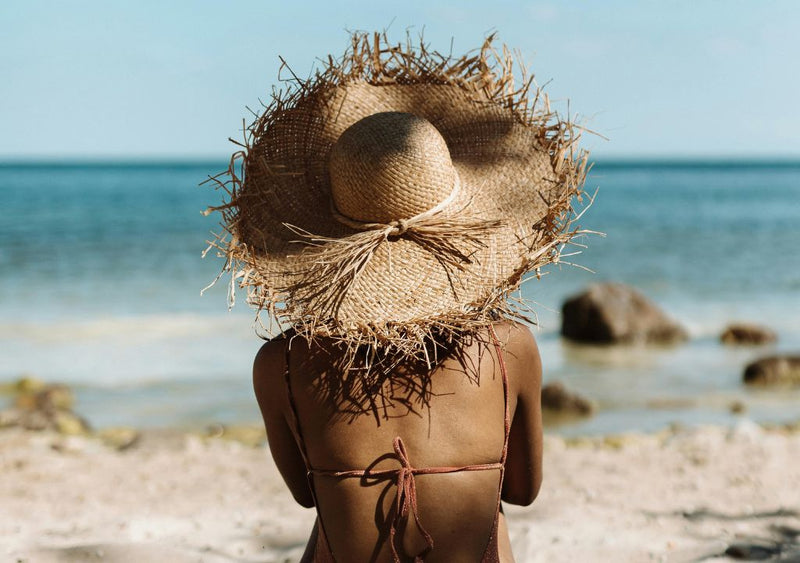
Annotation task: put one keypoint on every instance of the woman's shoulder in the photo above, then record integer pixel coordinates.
(269, 365)
(275, 348)
(270, 350)
(520, 352)
(514, 336)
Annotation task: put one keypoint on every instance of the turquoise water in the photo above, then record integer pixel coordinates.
(100, 278)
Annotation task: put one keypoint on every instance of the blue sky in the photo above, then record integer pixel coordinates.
(101, 79)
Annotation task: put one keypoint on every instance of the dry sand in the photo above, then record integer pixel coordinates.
(681, 495)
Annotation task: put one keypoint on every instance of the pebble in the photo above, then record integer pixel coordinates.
(119, 437)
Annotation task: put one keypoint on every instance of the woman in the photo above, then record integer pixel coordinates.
(464, 426)
(382, 213)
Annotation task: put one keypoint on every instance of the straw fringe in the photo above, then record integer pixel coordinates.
(372, 59)
(337, 262)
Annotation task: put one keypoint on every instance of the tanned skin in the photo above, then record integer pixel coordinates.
(462, 424)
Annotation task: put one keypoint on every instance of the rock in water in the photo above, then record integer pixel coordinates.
(613, 313)
(40, 406)
(50, 397)
(55, 397)
(737, 407)
(747, 334)
(28, 384)
(555, 397)
(773, 370)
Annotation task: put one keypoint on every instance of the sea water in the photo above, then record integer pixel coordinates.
(101, 272)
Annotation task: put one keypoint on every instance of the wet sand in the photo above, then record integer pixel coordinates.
(678, 495)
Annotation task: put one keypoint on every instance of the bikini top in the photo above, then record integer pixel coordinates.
(406, 489)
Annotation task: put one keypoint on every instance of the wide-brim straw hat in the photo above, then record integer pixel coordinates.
(397, 194)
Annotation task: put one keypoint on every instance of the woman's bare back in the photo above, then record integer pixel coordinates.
(462, 424)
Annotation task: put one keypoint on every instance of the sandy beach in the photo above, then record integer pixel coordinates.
(635, 164)
(678, 495)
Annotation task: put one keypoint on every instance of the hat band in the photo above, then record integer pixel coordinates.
(399, 227)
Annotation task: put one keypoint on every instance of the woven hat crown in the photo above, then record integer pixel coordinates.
(390, 166)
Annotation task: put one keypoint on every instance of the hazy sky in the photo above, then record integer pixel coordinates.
(103, 79)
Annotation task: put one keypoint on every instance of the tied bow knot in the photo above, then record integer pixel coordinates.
(452, 239)
(399, 228)
(406, 495)
(406, 501)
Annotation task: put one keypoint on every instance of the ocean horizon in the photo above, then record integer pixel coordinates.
(220, 163)
(101, 277)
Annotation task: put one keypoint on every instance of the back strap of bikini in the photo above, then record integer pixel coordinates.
(295, 418)
(506, 414)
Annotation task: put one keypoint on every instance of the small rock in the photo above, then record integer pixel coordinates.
(613, 313)
(737, 407)
(555, 397)
(69, 423)
(40, 406)
(752, 552)
(619, 441)
(60, 420)
(28, 384)
(47, 398)
(773, 370)
(55, 396)
(792, 427)
(69, 444)
(747, 334)
(119, 437)
(215, 430)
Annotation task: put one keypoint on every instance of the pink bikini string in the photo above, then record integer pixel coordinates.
(406, 496)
